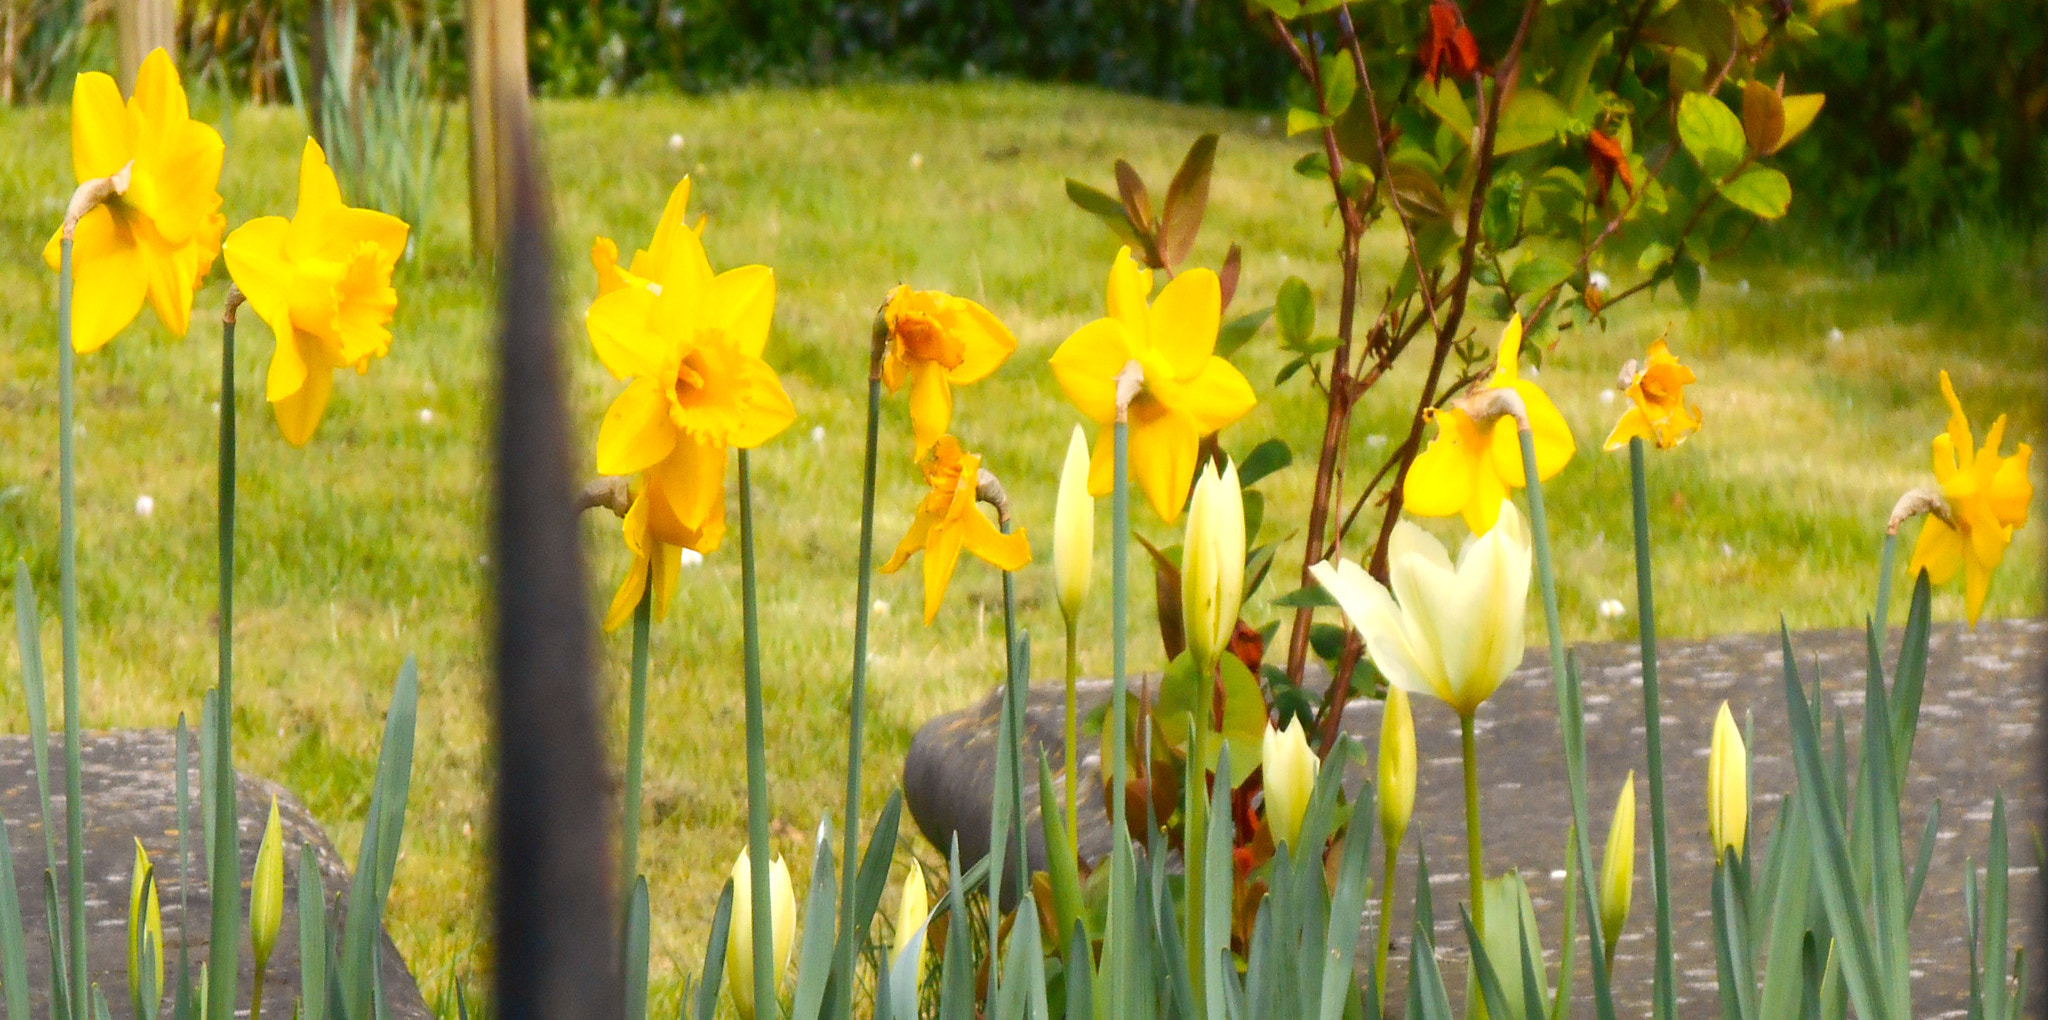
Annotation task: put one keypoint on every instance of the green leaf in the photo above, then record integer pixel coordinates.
(1289, 370)
(1418, 193)
(1105, 207)
(814, 956)
(1311, 597)
(1184, 694)
(1711, 133)
(1685, 275)
(1265, 458)
(1314, 165)
(1538, 274)
(1760, 190)
(1295, 309)
(1444, 100)
(1239, 331)
(1501, 220)
(1654, 254)
(1300, 121)
(1340, 81)
(1530, 118)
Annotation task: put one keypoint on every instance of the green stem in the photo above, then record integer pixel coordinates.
(1119, 540)
(636, 743)
(1072, 766)
(1475, 850)
(256, 996)
(1386, 939)
(1012, 737)
(225, 883)
(760, 864)
(1884, 580)
(67, 571)
(1665, 984)
(846, 949)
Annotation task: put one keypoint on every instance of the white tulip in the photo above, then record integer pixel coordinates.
(1073, 530)
(1290, 769)
(1212, 564)
(739, 939)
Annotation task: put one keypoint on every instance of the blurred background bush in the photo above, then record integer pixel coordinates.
(1934, 121)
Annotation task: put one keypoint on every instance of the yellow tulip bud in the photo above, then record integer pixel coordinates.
(1727, 786)
(739, 939)
(266, 891)
(145, 918)
(1397, 766)
(911, 911)
(1212, 564)
(1618, 865)
(1073, 530)
(1290, 772)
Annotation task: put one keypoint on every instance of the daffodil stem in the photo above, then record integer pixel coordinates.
(1391, 857)
(636, 743)
(1012, 738)
(1119, 542)
(1663, 998)
(67, 577)
(1884, 580)
(1571, 720)
(1072, 766)
(1475, 848)
(759, 859)
(848, 946)
(225, 885)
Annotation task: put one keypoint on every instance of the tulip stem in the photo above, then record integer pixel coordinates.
(224, 885)
(1665, 983)
(1475, 850)
(848, 946)
(1386, 939)
(760, 862)
(67, 576)
(1072, 766)
(636, 743)
(1571, 720)
(1119, 540)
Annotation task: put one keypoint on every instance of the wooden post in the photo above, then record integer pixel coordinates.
(142, 26)
(498, 111)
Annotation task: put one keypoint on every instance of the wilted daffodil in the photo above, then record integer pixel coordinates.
(154, 239)
(1212, 564)
(1468, 469)
(1289, 767)
(655, 561)
(936, 342)
(739, 938)
(1987, 496)
(691, 343)
(1657, 411)
(322, 282)
(948, 522)
(1187, 392)
(1727, 786)
(1618, 866)
(1450, 631)
(1073, 530)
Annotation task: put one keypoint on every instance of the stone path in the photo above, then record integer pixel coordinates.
(130, 793)
(1977, 736)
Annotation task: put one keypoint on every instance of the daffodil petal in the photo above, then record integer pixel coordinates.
(941, 555)
(1102, 462)
(931, 404)
(692, 479)
(1938, 551)
(637, 432)
(1163, 447)
(741, 303)
(1181, 325)
(1631, 426)
(2011, 490)
(1005, 552)
(109, 280)
(1217, 396)
(985, 342)
(299, 412)
(1130, 286)
(667, 230)
(766, 408)
(102, 133)
(1087, 364)
(1439, 481)
(255, 257)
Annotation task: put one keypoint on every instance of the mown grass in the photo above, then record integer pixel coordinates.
(369, 544)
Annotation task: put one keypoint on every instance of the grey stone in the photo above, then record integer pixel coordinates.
(128, 780)
(1977, 737)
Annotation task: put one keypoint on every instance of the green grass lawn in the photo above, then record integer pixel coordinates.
(1817, 386)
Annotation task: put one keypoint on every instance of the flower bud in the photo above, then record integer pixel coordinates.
(739, 940)
(1397, 766)
(145, 919)
(910, 915)
(1618, 865)
(1212, 564)
(1727, 786)
(1073, 530)
(1290, 777)
(266, 891)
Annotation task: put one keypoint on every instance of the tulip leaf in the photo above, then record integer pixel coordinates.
(13, 951)
(1186, 198)
(1239, 331)
(814, 957)
(1485, 973)
(1711, 133)
(1731, 940)
(1347, 905)
(28, 638)
(1184, 694)
(1761, 190)
(875, 861)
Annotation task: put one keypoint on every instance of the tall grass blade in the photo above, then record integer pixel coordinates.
(1219, 977)
(1427, 999)
(1911, 676)
(370, 888)
(1080, 975)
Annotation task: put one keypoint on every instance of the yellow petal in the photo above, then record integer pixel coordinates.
(1958, 426)
(692, 479)
(941, 555)
(1218, 395)
(255, 257)
(667, 231)
(1102, 462)
(1631, 426)
(1548, 431)
(1483, 509)
(1939, 551)
(931, 404)
(765, 408)
(1976, 587)
(1004, 552)
(1163, 447)
(741, 303)
(102, 133)
(986, 343)
(1439, 482)
(1182, 324)
(173, 274)
(109, 280)
(913, 541)
(637, 432)
(1087, 363)
(1129, 288)
(298, 412)
(634, 585)
(2011, 491)
(620, 330)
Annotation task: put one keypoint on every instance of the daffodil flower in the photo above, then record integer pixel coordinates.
(1657, 410)
(691, 343)
(1987, 496)
(936, 342)
(322, 282)
(1450, 631)
(1188, 391)
(155, 240)
(1468, 469)
(948, 522)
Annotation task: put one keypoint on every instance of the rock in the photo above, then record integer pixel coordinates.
(129, 784)
(1977, 737)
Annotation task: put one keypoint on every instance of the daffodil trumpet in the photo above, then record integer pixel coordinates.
(1664, 983)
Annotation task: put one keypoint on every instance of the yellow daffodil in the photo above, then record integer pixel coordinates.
(1396, 766)
(1727, 786)
(1657, 411)
(322, 282)
(1987, 497)
(948, 522)
(1073, 529)
(1289, 767)
(1450, 631)
(156, 239)
(691, 343)
(1618, 865)
(1188, 392)
(936, 342)
(739, 938)
(1212, 564)
(1467, 469)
